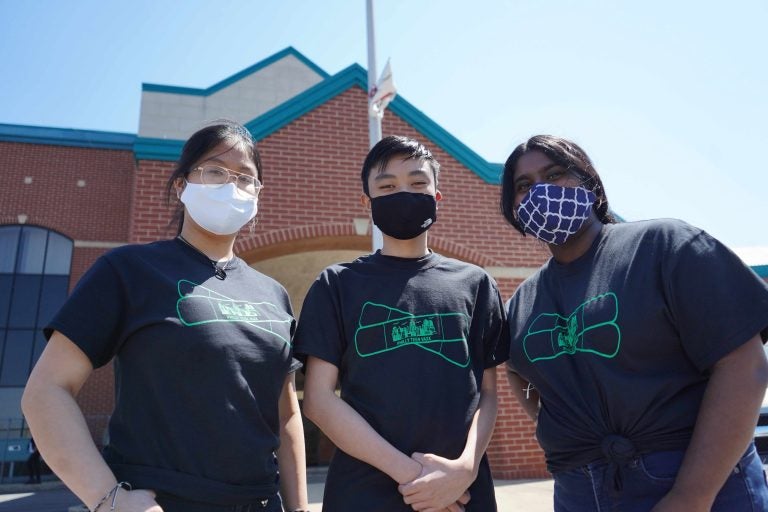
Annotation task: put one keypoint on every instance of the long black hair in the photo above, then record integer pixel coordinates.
(562, 152)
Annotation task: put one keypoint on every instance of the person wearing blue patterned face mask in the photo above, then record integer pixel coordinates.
(642, 343)
(202, 349)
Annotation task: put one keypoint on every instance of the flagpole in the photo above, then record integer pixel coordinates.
(374, 122)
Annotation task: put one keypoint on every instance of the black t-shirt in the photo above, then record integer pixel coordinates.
(199, 367)
(621, 340)
(411, 339)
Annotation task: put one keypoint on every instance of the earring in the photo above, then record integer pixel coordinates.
(252, 225)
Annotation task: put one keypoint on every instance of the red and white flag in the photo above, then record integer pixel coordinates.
(382, 93)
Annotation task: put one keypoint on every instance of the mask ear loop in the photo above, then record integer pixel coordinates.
(252, 225)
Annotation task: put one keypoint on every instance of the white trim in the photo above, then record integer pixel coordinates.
(93, 244)
(511, 272)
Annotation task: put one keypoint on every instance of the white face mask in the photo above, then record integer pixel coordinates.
(220, 209)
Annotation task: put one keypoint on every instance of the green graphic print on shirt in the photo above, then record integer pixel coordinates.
(199, 305)
(382, 328)
(591, 328)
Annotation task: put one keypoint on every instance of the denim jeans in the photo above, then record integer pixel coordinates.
(638, 485)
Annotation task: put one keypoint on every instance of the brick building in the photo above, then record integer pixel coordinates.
(71, 195)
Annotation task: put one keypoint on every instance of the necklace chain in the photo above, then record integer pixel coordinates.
(219, 271)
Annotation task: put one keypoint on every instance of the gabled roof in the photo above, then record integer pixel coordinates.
(237, 76)
(331, 86)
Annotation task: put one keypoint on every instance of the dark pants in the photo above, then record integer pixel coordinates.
(33, 467)
(638, 485)
(176, 504)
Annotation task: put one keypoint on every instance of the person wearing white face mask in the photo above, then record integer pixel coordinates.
(637, 348)
(205, 390)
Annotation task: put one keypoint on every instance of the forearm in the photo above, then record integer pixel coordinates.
(352, 434)
(724, 427)
(291, 460)
(526, 394)
(63, 438)
(483, 422)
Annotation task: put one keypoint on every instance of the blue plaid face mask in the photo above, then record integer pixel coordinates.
(552, 213)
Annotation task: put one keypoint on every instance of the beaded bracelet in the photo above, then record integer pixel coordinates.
(119, 485)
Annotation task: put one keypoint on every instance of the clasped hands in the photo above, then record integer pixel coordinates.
(442, 485)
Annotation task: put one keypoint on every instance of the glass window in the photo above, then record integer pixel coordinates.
(16, 358)
(24, 301)
(40, 342)
(6, 282)
(34, 281)
(52, 297)
(59, 255)
(32, 251)
(9, 244)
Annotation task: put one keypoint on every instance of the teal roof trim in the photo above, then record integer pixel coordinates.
(237, 76)
(169, 150)
(66, 137)
(761, 270)
(355, 75)
(352, 76)
(489, 172)
(282, 115)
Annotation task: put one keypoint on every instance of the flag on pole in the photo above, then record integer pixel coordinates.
(382, 93)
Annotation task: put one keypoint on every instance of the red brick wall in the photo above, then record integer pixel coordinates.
(98, 212)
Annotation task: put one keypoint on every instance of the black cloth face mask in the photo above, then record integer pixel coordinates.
(404, 215)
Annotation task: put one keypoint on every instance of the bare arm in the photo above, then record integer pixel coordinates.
(724, 427)
(525, 393)
(291, 458)
(346, 428)
(60, 431)
(443, 481)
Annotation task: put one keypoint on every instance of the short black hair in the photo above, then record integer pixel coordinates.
(562, 152)
(395, 145)
(200, 143)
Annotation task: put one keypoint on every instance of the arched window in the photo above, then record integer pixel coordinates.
(34, 279)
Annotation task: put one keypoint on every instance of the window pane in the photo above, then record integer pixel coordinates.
(24, 300)
(39, 346)
(5, 298)
(59, 254)
(9, 243)
(32, 251)
(16, 357)
(53, 295)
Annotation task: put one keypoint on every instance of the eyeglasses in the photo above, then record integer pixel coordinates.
(217, 176)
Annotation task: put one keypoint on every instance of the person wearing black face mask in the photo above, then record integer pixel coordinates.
(414, 338)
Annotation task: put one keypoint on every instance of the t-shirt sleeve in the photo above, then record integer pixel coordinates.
(319, 333)
(509, 309)
(716, 301)
(496, 331)
(93, 316)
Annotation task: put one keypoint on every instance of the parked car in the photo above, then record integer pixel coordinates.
(761, 432)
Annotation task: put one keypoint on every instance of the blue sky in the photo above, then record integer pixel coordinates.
(668, 98)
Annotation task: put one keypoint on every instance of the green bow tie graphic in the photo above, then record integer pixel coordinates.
(382, 328)
(199, 305)
(591, 328)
